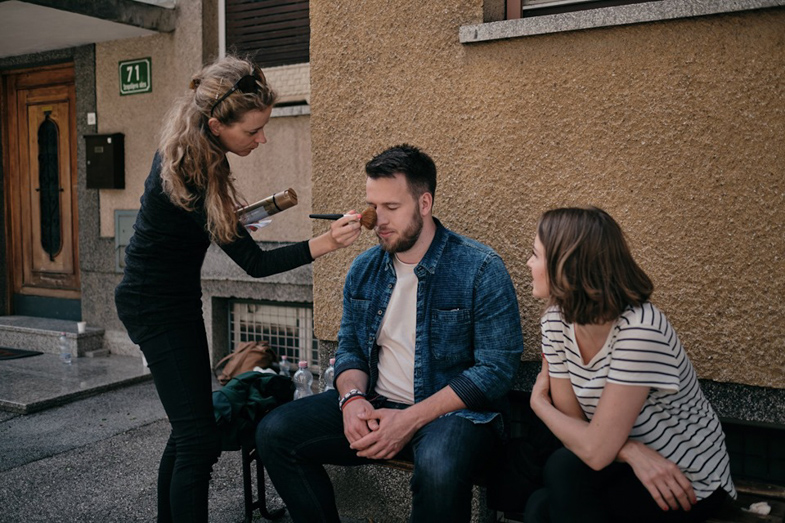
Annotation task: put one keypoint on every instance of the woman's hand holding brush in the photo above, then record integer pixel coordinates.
(343, 232)
(367, 217)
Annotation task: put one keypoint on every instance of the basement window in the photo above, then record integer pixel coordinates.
(288, 328)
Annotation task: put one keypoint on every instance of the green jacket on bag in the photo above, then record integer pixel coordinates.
(243, 402)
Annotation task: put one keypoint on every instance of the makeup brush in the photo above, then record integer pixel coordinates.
(367, 218)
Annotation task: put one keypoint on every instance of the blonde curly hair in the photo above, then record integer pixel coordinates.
(193, 163)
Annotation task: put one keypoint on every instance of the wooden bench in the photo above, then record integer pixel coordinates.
(733, 511)
(407, 466)
(749, 493)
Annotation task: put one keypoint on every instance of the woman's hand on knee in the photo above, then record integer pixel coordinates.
(666, 483)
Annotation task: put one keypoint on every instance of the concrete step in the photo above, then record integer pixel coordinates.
(40, 382)
(41, 334)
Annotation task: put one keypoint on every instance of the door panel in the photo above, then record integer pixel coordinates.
(42, 184)
(51, 254)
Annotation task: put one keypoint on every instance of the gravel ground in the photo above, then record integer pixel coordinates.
(95, 460)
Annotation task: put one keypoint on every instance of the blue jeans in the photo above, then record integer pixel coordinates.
(179, 361)
(296, 439)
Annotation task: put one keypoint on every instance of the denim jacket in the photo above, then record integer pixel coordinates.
(468, 325)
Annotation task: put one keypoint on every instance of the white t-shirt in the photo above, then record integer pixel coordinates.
(642, 349)
(396, 337)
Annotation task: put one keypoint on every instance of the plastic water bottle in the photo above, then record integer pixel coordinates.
(65, 349)
(302, 381)
(329, 375)
(283, 367)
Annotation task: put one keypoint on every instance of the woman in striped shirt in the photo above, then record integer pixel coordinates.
(641, 442)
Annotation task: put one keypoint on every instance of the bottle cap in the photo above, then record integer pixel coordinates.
(332, 361)
(284, 358)
(302, 364)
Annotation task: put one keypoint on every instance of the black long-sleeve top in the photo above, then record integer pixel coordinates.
(162, 281)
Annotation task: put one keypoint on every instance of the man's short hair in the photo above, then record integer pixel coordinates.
(415, 165)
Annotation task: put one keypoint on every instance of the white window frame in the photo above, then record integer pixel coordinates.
(221, 28)
(606, 17)
(537, 4)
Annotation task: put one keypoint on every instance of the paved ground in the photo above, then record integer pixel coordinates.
(95, 460)
(87, 448)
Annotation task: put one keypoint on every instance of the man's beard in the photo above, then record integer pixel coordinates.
(407, 238)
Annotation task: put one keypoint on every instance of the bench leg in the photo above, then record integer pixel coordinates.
(247, 492)
(275, 514)
(250, 454)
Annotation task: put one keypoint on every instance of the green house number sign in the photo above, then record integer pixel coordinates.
(136, 76)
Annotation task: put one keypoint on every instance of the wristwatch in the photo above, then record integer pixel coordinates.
(354, 393)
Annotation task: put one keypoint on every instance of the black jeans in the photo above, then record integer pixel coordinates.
(575, 493)
(179, 361)
(296, 439)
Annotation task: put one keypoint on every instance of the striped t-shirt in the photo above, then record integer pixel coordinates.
(642, 349)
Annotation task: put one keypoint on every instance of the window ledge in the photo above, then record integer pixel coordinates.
(606, 17)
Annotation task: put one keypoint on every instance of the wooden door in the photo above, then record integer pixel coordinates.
(41, 183)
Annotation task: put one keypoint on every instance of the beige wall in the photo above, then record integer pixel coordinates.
(676, 128)
(283, 163)
(174, 56)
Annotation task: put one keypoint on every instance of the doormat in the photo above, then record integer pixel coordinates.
(7, 353)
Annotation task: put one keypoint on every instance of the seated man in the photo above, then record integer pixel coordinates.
(428, 347)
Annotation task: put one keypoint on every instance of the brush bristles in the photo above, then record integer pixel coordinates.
(368, 218)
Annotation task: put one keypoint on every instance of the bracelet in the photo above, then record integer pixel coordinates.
(354, 393)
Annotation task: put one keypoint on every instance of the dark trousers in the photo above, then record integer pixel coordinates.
(296, 439)
(576, 493)
(179, 361)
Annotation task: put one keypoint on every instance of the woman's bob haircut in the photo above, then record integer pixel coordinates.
(591, 273)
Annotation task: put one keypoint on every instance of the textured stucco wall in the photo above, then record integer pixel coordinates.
(676, 128)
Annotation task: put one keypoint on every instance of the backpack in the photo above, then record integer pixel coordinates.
(245, 357)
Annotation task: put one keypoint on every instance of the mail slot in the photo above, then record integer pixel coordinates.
(105, 161)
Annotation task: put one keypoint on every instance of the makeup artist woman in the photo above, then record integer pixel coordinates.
(189, 200)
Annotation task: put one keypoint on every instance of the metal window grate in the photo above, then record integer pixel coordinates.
(287, 327)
